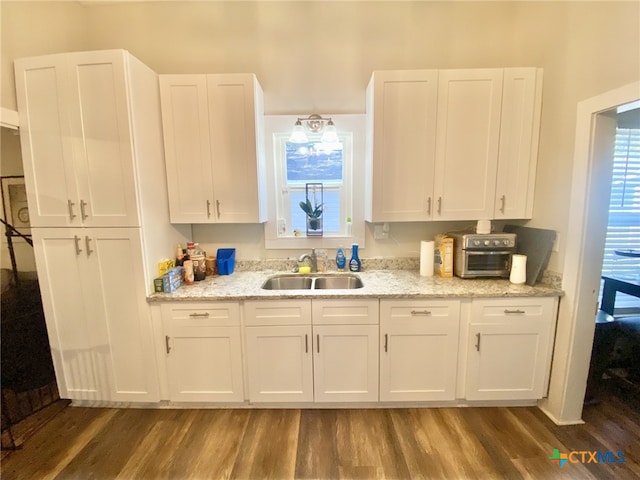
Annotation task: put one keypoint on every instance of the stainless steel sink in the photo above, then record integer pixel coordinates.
(288, 282)
(338, 282)
(319, 282)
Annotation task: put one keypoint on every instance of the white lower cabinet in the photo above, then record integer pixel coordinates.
(279, 356)
(203, 347)
(291, 360)
(510, 342)
(419, 349)
(99, 326)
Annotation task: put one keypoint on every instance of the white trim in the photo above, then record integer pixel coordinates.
(9, 119)
(577, 309)
(282, 123)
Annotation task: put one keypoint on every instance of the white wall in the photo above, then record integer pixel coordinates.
(318, 56)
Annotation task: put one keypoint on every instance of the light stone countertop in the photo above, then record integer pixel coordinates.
(246, 285)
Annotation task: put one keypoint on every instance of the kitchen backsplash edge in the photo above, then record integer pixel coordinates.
(549, 277)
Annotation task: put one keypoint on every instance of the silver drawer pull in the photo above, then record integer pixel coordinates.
(76, 240)
(518, 311)
(83, 214)
(202, 315)
(87, 241)
(70, 205)
(420, 312)
(478, 342)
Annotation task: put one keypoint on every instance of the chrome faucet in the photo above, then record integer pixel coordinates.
(312, 258)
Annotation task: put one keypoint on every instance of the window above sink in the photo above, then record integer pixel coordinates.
(340, 170)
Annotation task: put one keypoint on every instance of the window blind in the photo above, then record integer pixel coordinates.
(623, 230)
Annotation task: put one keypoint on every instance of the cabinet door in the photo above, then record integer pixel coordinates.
(467, 138)
(204, 364)
(401, 112)
(509, 349)
(232, 133)
(43, 97)
(120, 312)
(185, 122)
(79, 154)
(76, 345)
(520, 125)
(101, 137)
(345, 363)
(98, 320)
(280, 363)
(204, 352)
(419, 350)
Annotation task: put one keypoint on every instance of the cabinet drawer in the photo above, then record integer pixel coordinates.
(278, 312)
(203, 314)
(494, 309)
(340, 312)
(418, 309)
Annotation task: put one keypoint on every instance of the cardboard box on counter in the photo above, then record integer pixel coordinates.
(170, 281)
(443, 258)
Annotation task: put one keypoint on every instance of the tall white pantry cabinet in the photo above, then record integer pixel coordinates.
(91, 135)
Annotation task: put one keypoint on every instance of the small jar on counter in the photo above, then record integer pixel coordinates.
(188, 272)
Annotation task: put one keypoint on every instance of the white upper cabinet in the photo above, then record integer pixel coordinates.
(76, 139)
(467, 139)
(452, 144)
(213, 130)
(519, 132)
(185, 121)
(401, 113)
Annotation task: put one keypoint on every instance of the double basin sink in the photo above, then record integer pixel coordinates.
(312, 282)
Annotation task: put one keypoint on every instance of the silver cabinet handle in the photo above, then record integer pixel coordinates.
(208, 209)
(83, 214)
(218, 208)
(477, 341)
(386, 343)
(86, 242)
(166, 343)
(204, 315)
(318, 342)
(518, 311)
(70, 205)
(306, 343)
(439, 205)
(503, 202)
(420, 312)
(76, 239)
(429, 206)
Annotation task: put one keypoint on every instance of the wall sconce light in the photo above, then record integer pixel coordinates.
(316, 124)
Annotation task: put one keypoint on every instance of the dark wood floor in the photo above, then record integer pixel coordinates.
(438, 443)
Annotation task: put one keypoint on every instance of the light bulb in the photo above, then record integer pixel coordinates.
(330, 134)
(298, 135)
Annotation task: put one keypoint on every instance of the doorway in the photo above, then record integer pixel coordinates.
(590, 190)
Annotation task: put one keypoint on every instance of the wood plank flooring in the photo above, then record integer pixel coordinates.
(435, 443)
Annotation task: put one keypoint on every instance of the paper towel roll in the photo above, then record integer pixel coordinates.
(426, 258)
(518, 268)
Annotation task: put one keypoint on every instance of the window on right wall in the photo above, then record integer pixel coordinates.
(623, 229)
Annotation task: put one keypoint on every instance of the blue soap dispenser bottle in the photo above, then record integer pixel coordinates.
(354, 264)
(341, 259)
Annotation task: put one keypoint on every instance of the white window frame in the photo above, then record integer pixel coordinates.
(275, 126)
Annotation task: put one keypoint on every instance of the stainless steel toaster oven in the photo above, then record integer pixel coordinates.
(482, 255)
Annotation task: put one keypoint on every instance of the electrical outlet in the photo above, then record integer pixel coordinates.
(381, 231)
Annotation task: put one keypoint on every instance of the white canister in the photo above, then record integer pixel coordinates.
(518, 268)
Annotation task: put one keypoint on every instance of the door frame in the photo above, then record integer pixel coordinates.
(586, 232)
